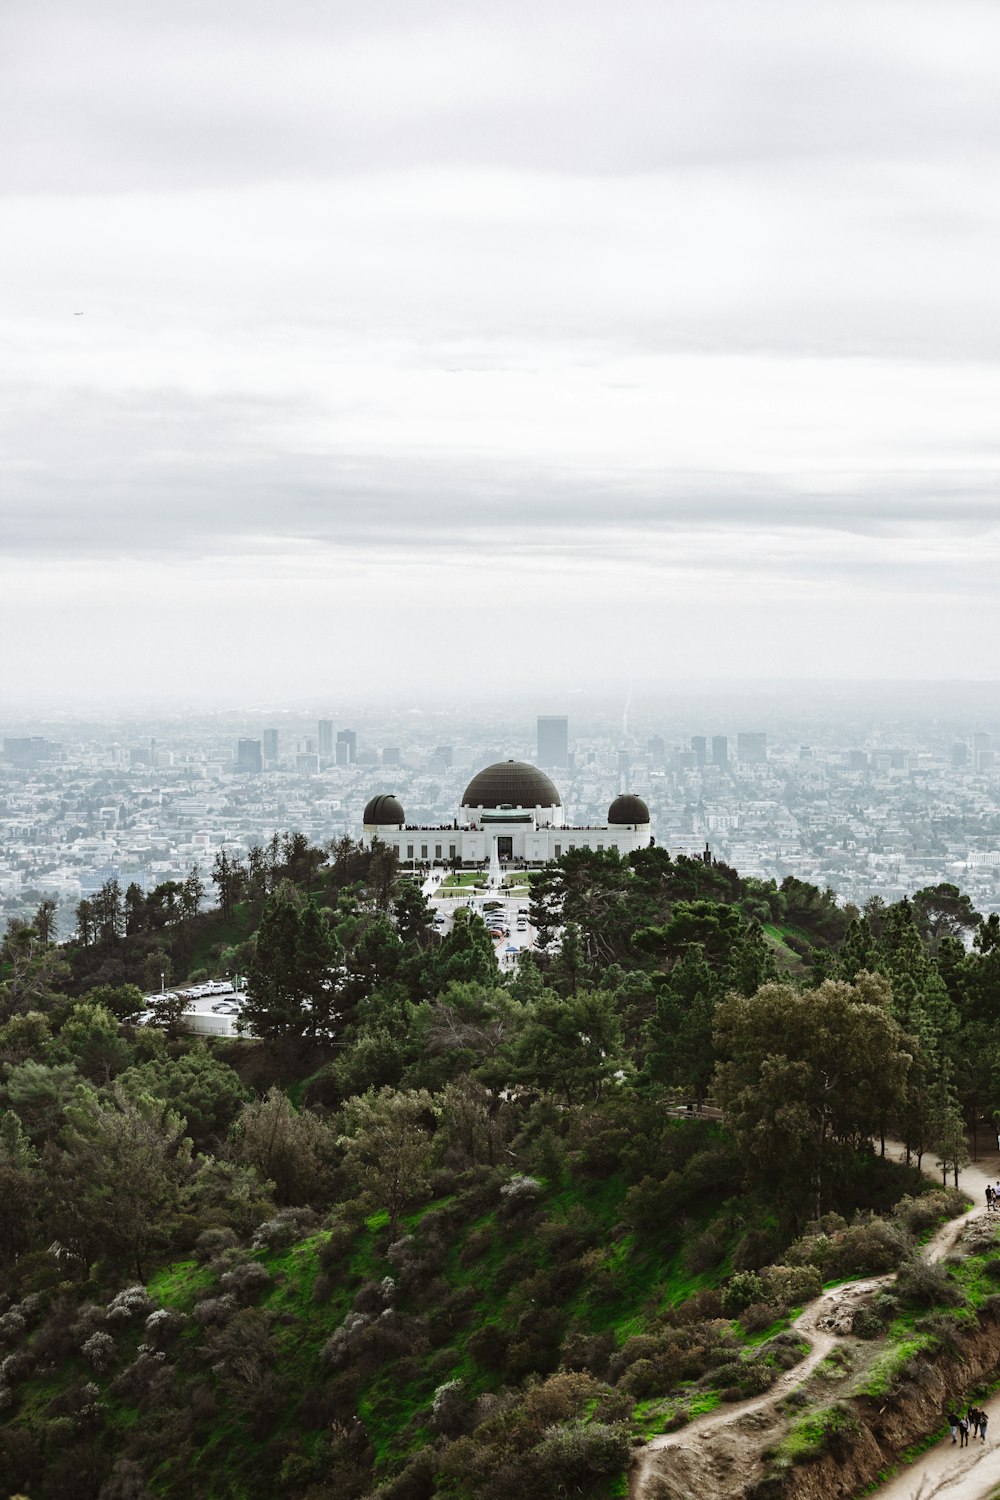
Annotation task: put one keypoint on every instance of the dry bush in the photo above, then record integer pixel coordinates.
(246, 1282)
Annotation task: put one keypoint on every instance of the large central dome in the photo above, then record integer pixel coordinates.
(511, 783)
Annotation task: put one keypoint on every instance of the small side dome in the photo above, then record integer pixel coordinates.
(627, 809)
(383, 811)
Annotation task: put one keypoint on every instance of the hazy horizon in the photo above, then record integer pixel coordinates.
(401, 351)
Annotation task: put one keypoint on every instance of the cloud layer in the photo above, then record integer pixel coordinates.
(688, 308)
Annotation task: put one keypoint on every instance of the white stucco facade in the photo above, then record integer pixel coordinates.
(510, 807)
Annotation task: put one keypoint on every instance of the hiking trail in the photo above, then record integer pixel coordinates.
(715, 1456)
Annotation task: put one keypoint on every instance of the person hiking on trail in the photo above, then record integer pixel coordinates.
(989, 1196)
(953, 1424)
(973, 1415)
(984, 1417)
(963, 1428)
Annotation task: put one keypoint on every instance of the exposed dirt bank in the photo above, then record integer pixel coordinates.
(722, 1456)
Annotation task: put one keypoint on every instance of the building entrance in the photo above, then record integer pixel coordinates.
(505, 848)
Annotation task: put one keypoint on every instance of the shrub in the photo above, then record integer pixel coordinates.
(478, 1243)
(927, 1210)
(703, 1306)
(867, 1323)
(759, 1315)
(707, 1249)
(99, 1351)
(414, 1482)
(128, 1306)
(450, 1408)
(572, 1458)
(246, 1282)
(284, 1228)
(214, 1311)
(921, 1283)
(742, 1289)
(788, 1286)
(162, 1327)
(212, 1242)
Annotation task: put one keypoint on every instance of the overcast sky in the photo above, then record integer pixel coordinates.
(386, 345)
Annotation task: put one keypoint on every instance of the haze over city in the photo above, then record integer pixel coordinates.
(418, 350)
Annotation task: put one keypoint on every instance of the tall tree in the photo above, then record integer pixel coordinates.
(803, 1078)
(387, 1148)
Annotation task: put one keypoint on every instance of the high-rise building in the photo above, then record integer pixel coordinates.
(248, 756)
(326, 738)
(391, 756)
(699, 744)
(624, 765)
(657, 749)
(959, 755)
(347, 747)
(553, 741)
(270, 744)
(751, 749)
(30, 750)
(444, 756)
(720, 750)
(982, 752)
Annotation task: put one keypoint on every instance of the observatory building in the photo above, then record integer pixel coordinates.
(511, 811)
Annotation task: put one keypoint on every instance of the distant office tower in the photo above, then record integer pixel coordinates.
(699, 744)
(307, 762)
(751, 749)
(720, 750)
(444, 755)
(30, 750)
(982, 752)
(326, 737)
(624, 764)
(553, 742)
(270, 744)
(857, 760)
(657, 749)
(248, 756)
(391, 756)
(347, 747)
(805, 752)
(959, 755)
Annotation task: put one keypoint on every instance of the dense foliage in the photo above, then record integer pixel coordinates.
(439, 1231)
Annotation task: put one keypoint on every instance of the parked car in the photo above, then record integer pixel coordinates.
(217, 987)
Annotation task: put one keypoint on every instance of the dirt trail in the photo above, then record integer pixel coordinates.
(713, 1455)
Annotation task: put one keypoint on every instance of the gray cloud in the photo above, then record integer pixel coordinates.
(113, 96)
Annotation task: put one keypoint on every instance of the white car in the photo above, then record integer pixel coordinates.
(197, 991)
(216, 987)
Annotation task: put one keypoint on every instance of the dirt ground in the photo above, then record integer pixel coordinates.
(717, 1456)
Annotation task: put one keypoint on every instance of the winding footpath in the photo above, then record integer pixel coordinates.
(707, 1449)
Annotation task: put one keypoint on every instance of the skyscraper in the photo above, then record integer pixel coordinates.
(720, 750)
(959, 755)
(248, 756)
(270, 744)
(982, 752)
(699, 744)
(751, 749)
(553, 742)
(347, 747)
(326, 738)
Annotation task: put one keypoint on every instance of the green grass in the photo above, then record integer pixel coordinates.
(809, 1437)
(889, 1365)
